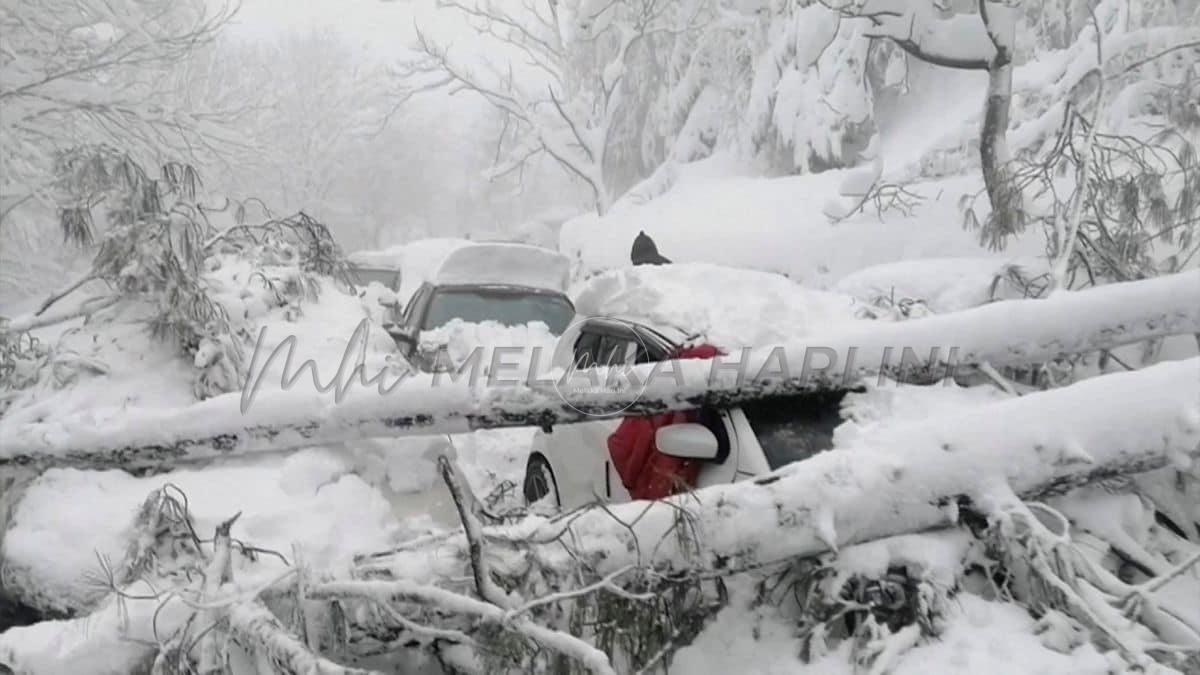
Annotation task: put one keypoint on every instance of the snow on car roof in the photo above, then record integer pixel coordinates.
(725, 306)
(505, 263)
(417, 260)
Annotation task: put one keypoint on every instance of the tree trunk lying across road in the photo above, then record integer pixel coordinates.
(1004, 333)
(912, 477)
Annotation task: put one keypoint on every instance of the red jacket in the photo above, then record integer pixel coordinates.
(645, 472)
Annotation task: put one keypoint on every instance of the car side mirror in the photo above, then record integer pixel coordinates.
(686, 441)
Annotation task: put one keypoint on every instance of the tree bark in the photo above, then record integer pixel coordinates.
(1007, 215)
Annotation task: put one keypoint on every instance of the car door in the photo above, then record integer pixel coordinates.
(408, 331)
(578, 452)
(605, 344)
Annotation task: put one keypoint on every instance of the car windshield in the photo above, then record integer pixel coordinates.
(510, 307)
(367, 275)
(796, 427)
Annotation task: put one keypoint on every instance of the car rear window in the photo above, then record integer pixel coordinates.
(794, 428)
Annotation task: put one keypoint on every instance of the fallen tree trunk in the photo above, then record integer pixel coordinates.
(908, 478)
(999, 334)
(912, 477)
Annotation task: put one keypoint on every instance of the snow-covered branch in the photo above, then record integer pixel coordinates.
(94, 72)
(403, 591)
(960, 41)
(1002, 334)
(918, 475)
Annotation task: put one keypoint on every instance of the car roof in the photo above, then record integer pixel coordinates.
(674, 335)
(500, 287)
(505, 264)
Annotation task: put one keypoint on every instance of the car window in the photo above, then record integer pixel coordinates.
(796, 427)
(587, 346)
(594, 350)
(615, 351)
(507, 307)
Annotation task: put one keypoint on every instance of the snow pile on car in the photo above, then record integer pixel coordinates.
(418, 261)
(522, 347)
(726, 306)
(505, 263)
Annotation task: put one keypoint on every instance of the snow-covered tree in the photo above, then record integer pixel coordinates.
(93, 72)
(810, 106)
(560, 73)
(1102, 151)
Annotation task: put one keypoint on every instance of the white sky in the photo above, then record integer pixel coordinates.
(379, 26)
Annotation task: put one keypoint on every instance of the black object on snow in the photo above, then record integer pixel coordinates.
(645, 252)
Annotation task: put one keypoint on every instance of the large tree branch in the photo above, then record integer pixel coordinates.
(919, 475)
(1005, 333)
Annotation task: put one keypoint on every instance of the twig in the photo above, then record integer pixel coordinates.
(64, 292)
(403, 590)
(604, 584)
(31, 321)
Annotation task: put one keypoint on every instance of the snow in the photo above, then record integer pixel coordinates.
(501, 263)
(981, 637)
(729, 307)
(145, 373)
(525, 349)
(989, 638)
(418, 261)
(1000, 333)
(885, 403)
(743, 638)
(778, 225)
(943, 284)
(68, 518)
(758, 263)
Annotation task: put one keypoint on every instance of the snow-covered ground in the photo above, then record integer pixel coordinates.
(758, 262)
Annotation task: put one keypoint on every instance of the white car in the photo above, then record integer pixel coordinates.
(570, 466)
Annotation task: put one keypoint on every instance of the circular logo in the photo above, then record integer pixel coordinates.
(601, 379)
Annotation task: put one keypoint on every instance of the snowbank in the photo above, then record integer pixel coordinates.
(68, 519)
(943, 284)
(980, 637)
(730, 307)
(134, 370)
(778, 225)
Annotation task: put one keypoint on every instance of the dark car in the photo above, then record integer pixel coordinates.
(510, 284)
